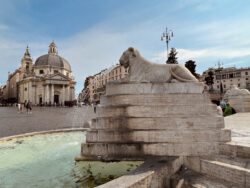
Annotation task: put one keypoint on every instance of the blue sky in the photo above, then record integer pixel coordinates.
(92, 34)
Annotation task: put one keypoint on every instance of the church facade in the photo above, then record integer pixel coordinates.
(47, 81)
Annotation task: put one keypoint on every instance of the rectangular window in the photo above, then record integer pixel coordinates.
(55, 71)
(231, 75)
(224, 86)
(218, 87)
(224, 76)
(238, 74)
(41, 72)
(238, 85)
(218, 77)
(246, 78)
(246, 73)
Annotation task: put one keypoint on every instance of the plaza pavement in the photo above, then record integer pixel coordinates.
(42, 119)
(240, 125)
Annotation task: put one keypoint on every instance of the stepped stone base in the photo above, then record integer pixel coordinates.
(157, 136)
(235, 170)
(149, 149)
(136, 120)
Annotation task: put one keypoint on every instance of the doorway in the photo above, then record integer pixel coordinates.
(56, 99)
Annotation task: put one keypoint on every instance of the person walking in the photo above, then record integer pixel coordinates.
(19, 107)
(28, 107)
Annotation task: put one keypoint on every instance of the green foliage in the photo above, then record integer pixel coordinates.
(210, 79)
(190, 65)
(172, 59)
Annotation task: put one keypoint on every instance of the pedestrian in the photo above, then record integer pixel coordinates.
(28, 107)
(19, 107)
(218, 108)
(223, 106)
(228, 110)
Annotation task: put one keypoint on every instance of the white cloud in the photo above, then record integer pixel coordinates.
(214, 53)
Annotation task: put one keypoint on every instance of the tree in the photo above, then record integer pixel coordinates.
(172, 59)
(210, 79)
(190, 65)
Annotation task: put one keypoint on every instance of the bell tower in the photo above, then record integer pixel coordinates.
(27, 62)
(53, 49)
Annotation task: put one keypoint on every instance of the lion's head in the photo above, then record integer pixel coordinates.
(129, 53)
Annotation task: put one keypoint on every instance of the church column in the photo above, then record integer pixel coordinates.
(63, 94)
(67, 96)
(44, 94)
(52, 94)
(47, 94)
(34, 97)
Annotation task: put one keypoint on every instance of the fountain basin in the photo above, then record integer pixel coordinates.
(47, 160)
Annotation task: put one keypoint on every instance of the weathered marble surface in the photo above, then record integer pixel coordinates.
(137, 125)
(157, 136)
(239, 99)
(116, 88)
(157, 111)
(201, 122)
(142, 70)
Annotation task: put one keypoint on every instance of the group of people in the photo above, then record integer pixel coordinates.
(224, 108)
(27, 105)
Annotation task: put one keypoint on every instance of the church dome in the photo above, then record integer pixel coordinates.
(52, 59)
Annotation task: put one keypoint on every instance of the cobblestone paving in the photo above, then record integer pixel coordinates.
(42, 119)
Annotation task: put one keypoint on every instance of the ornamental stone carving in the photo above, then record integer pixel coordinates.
(142, 70)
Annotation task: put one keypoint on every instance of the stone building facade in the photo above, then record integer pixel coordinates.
(225, 78)
(95, 85)
(48, 81)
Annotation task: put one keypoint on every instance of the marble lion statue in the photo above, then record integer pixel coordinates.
(235, 91)
(142, 70)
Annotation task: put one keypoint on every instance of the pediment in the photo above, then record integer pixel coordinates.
(57, 76)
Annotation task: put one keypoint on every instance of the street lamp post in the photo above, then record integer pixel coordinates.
(168, 34)
(220, 67)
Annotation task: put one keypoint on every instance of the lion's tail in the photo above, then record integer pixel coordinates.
(186, 75)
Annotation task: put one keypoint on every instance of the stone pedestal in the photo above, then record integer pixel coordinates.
(136, 120)
(239, 99)
(240, 103)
